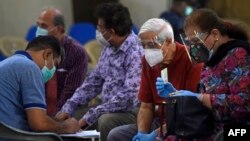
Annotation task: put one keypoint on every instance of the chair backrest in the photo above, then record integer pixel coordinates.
(31, 33)
(93, 48)
(8, 132)
(2, 57)
(9, 44)
(135, 29)
(82, 32)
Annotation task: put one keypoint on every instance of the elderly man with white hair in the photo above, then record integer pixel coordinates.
(161, 51)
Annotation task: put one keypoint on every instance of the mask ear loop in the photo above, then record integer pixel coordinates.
(109, 37)
(52, 29)
(45, 62)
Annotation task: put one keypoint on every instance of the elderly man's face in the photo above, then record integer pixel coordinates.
(149, 40)
(46, 21)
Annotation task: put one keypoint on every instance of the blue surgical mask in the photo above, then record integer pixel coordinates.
(48, 73)
(41, 31)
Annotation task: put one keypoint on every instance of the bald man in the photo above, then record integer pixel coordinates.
(72, 71)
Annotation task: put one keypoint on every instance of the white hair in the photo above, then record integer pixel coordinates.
(162, 27)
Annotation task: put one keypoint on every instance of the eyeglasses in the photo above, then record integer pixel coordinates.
(150, 44)
(197, 37)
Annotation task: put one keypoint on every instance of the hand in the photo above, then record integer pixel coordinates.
(60, 116)
(82, 122)
(164, 129)
(187, 93)
(71, 125)
(164, 88)
(145, 137)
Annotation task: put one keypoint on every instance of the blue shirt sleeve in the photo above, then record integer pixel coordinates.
(32, 86)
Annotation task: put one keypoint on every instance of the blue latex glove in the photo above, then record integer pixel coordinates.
(187, 93)
(164, 88)
(145, 137)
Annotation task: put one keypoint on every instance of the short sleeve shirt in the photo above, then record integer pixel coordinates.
(21, 88)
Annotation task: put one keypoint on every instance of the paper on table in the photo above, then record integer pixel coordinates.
(83, 134)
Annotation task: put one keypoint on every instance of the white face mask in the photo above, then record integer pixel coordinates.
(101, 39)
(153, 56)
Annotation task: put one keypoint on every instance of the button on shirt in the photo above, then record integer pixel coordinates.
(116, 78)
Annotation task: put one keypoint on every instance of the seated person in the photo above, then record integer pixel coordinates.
(72, 70)
(116, 76)
(22, 97)
(161, 51)
(225, 78)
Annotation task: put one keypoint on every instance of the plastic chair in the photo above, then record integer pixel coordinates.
(93, 48)
(8, 132)
(135, 29)
(10, 44)
(31, 34)
(2, 57)
(82, 32)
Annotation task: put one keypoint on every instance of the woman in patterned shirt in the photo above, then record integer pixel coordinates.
(225, 79)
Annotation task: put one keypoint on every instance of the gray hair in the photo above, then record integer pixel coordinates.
(59, 20)
(162, 27)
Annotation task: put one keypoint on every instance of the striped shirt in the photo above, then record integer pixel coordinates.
(72, 70)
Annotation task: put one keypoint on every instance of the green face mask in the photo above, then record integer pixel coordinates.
(48, 73)
(188, 10)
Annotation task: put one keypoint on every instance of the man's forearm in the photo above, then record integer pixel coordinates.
(39, 121)
(47, 124)
(145, 118)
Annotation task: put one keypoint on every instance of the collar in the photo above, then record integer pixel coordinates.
(127, 43)
(26, 54)
(223, 50)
